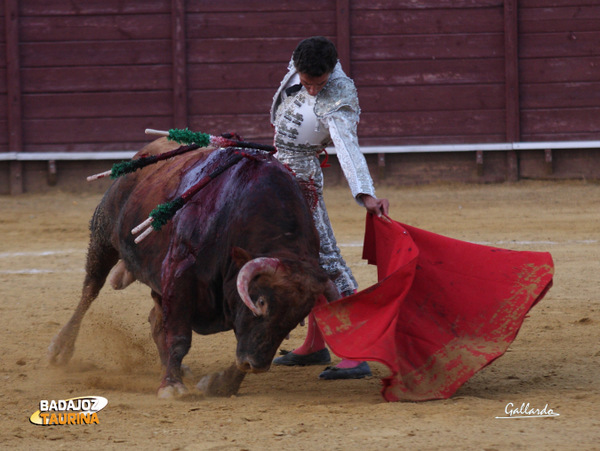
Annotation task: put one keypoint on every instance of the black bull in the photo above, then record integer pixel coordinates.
(242, 254)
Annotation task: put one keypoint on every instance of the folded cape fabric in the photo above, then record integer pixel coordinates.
(442, 310)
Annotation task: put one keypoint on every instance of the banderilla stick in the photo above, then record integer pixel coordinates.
(195, 141)
(188, 137)
(127, 167)
(164, 212)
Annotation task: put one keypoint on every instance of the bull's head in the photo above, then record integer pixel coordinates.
(279, 293)
(250, 270)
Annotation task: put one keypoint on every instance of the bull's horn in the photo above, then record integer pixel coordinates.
(252, 268)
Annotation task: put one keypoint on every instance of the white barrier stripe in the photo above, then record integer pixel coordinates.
(498, 243)
(40, 253)
(38, 271)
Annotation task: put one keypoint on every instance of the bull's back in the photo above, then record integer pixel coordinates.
(253, 197)
(129, 201)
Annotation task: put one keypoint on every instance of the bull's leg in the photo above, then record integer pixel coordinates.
(100, 260)
(177, 334)
(155, 318)
(223, 383)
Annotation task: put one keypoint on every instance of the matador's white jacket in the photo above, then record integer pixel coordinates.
(305, 125)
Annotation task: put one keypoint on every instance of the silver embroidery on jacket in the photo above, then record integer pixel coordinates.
(335, 114)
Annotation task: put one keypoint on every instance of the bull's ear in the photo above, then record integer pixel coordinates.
(240, 256)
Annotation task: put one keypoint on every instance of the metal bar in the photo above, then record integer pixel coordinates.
(432, 148)
(479, 162)
(381, 165)
(548, 160)
(429, 148)
(73, 156)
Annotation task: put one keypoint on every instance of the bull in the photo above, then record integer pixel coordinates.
(242, 254)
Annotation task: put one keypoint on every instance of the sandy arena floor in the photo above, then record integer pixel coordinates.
(554, 361)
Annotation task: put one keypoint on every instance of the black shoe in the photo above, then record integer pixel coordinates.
(321, 357)
(358, 372)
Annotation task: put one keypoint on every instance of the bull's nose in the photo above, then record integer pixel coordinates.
(248, 367)
(245, 367)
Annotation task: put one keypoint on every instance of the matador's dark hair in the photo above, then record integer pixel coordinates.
(315, 56)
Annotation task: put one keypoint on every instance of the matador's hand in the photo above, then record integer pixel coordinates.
(375, 206)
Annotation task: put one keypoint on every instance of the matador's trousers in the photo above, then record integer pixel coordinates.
(307, 169)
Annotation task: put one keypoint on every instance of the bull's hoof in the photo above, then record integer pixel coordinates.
(172, 391)
(187, 372)
(213, 385)
(223, 383)
(59, 351)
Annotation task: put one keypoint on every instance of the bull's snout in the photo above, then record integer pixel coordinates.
(247, 365)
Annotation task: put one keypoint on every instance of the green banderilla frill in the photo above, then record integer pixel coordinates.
(126, 167)
(188, 137)
(164, 212)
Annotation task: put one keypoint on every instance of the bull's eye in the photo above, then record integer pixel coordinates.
(261, 302)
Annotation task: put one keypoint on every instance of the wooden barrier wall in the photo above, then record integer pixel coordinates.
(91, 75)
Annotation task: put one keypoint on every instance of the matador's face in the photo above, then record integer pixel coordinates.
(313, 85)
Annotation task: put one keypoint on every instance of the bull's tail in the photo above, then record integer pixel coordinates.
(101, 258)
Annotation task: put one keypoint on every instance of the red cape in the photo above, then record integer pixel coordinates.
(442, 310)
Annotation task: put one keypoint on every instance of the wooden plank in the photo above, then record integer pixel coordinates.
(564, 95)
(90, 78)
(228, 101)
(236, 75)
(4, 136)
(420, 21)
(554, 3)
(97, 104)
(551, 70)
(248, 50)
(566, 44)
(511, 71)
(234, 6)
(95, 28)
(92, 7)
(343, 34)
(250, 127)
(565, 19)
(418, 140)
(434, 123)
(83, 130)
(153, 77)
(428, 72)
(14, 121)
(424, 4)
(561, 121)
(2, 52)
(98, 53)
(3, 116)
(560, 136)
(432, 97)
(254, 24)
(180, 105)
(91, 146)
(427, 47)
